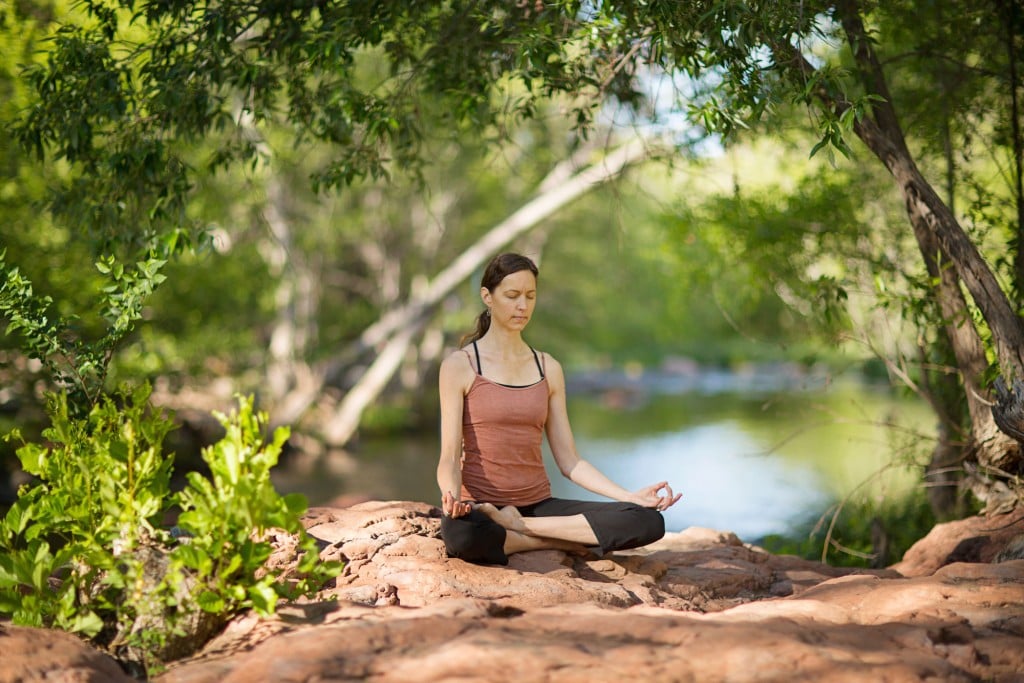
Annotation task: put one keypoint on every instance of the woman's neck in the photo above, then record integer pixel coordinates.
(504, 343)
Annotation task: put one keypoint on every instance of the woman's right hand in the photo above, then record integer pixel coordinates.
(651, 496)
(453, 507)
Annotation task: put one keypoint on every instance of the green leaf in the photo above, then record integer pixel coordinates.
(264, 598)
(296, 504)
(193, 556)
(33, 458)
(87, 623)
(211, 602)
(18, 517)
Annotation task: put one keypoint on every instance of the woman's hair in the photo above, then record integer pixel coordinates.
(500, 266)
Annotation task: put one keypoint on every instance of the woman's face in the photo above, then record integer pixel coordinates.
(512, 301)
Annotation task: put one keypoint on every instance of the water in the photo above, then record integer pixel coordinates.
(754, 460)
(725, 484)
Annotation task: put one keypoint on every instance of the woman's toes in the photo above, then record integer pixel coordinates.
(507, 516)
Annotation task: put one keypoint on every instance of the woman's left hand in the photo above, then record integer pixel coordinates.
(651, 497)
(453, 507)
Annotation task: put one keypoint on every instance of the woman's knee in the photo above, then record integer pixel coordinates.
(629, 526)
(650, 525)
(473, 542)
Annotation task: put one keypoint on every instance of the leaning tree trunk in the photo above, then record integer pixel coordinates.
(401, 326)
(984, 443)
(941, 237)
(883, 135)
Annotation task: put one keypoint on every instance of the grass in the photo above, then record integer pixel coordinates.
(863, 532)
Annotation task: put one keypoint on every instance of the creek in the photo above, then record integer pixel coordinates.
(755, 452)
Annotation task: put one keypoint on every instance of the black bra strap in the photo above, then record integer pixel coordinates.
(479, 368)
(537, 361)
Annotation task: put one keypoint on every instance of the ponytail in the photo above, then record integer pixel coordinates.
(483, 323)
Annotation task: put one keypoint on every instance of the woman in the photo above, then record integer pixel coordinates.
(498, 398)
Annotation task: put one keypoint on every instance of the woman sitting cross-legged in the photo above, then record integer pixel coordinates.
(499, 397)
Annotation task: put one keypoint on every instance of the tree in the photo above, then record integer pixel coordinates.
(118, 108)
(760, 56)
(127, 92)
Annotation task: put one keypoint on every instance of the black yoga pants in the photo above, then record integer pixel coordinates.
(617, 526)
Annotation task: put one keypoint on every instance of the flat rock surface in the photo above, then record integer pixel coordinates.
(699, 605)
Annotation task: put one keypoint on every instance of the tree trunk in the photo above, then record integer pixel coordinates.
(940, 236)
(928, 211)
(883, 135)
(294, 330)
(294, 327)
(1010, 21)
(399, 326)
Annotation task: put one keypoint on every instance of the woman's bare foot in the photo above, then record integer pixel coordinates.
(516, 542)
(507, 517)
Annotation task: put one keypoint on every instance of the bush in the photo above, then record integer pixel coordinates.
(86, 548)
(860, 533)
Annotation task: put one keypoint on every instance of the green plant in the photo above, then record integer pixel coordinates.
(860, 533)
(77, 363)
(69, 539)
(230, 517)
(85, 548)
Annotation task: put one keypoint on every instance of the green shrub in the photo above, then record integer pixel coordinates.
(86, 547)
(861, 533)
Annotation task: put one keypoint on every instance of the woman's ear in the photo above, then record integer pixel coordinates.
(485, 295)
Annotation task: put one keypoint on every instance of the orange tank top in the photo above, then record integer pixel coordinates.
(502, 430)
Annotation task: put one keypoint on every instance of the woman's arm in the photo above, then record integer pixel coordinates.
(454, 379)
(578, 470)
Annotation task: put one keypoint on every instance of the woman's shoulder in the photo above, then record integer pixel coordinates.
(458, 363)
(457, 371)
(549, 361)
(544, 354)
(457, 358)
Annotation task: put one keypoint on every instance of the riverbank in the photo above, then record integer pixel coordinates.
(700, 605)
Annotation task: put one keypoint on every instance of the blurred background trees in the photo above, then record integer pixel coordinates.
(308, 170)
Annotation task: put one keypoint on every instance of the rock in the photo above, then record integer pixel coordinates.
(35, 655)
(698, 569)
(975, 539)
(952, 627)
(699, 605)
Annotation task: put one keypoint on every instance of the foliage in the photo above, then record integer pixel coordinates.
(85, 549)
(102, 485)
(76, 362)
(125, 86)
(229, 519)
(853, 535)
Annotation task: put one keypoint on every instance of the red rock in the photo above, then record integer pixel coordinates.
(975, 539)
(35, 655)
(699, 605)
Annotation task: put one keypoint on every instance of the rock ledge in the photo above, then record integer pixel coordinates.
(700, 605)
